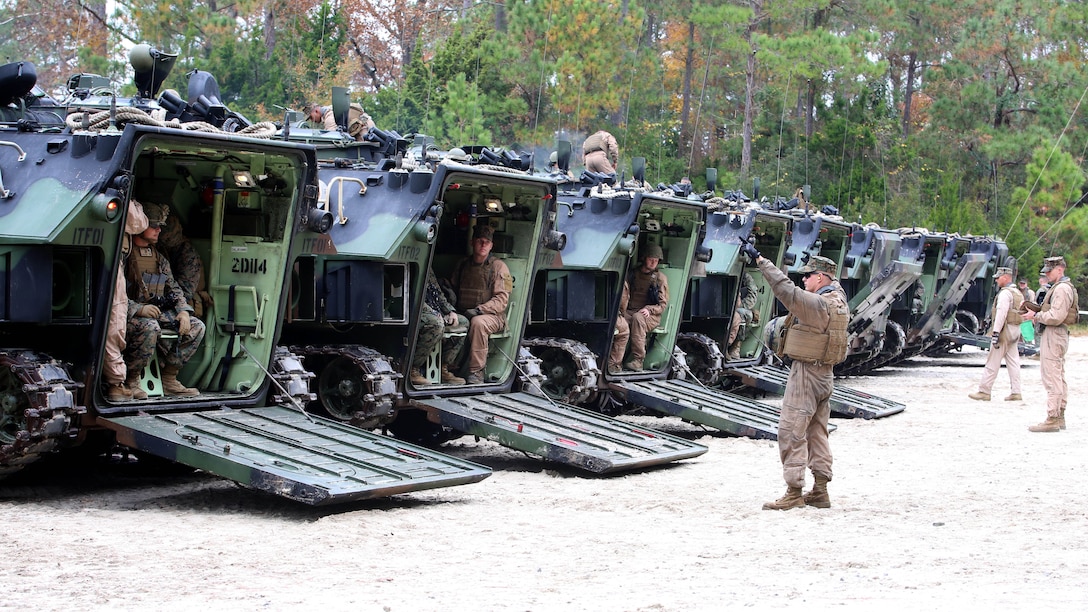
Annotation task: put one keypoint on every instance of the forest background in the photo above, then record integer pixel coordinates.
(956, 115)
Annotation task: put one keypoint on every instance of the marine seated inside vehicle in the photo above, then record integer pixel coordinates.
(157, 303)
(644, 299)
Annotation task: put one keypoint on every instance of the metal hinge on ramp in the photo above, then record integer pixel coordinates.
(560, 432)
(285, 452)
(845, 401)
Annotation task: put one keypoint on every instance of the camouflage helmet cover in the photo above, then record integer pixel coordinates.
(156, 214)
(1052, 262)
(823, 265)
(653, 250)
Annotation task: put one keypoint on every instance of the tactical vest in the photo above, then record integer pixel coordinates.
(822, 346)
(474, 283)
(1073, 315)
(645, 289)
(143, 274)
(1014, 317)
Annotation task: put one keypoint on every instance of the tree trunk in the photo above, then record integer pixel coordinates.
(269, 33)
(912, 63)
(685, 109)
(749, 90)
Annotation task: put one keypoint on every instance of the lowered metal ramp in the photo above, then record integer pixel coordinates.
(282, 451)
(983, 342)
(560, 432)
(715, 408)
(845, 401)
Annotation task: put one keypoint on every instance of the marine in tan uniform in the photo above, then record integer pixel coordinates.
(816, 340)
(483, 285)
(601, 152)
(319, 118)
(114, 371)
(646, 293)
(1057, 311)
(1004, 339)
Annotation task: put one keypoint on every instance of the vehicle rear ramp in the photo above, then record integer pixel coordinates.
(559, 432)
(289, 453)
(691, 401)
(845, 402)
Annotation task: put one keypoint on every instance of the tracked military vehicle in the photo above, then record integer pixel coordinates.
(359, 290)
(812, 233)
(973, 313)
(956, 263)
(242, 203)
(576, 298)
(873, 276)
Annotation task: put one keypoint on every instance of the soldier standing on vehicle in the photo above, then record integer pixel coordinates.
(646, 292)
(156, 302)
(114, 370)
(1057, 311)
(1004, 339)
(601, 153)
(438, 317)
(816, 341)
(483, 284)
(319, 118)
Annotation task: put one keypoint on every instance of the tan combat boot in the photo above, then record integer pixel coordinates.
(133, 384)
(792, 499)
(118, 392)
(980, 396)
(818, 497)
(417, 378)
(1061, 419)
(1014, 397)
(1051, 424)
(172, 386)
(448, 378)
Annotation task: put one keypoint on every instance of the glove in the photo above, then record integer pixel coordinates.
(994, 338)
(203, 299)
(149, 311)
(472, 312)
(184, 324)
(750, 251)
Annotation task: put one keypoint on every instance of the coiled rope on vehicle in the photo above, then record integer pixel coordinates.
(96, 121)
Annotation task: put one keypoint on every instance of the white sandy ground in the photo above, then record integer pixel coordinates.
(951, 504)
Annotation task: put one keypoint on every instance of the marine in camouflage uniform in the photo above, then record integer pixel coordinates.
(149, 277)
(187, 267)
(802, 425)
(438, 316)
(1005, 339)
(1057, 311)
(647, 293)
(601, 152)
(742, 314)
(483, 285)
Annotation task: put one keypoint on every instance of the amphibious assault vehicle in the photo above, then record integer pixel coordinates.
(358, 293)
(576, 299)
(64, 195)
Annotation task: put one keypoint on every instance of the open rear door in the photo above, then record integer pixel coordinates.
(560, 432)
(288, 453)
